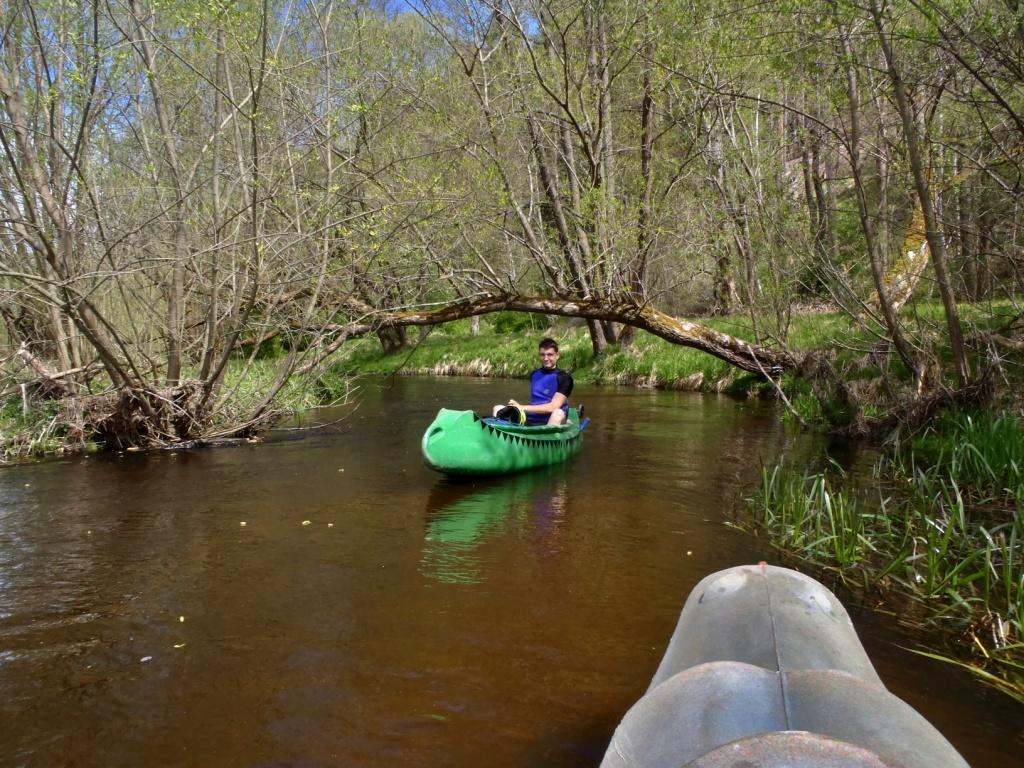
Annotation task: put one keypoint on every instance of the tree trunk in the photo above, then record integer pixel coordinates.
(882, 191)
(967, 239)
(888, 308)
(809, 198)
(611, 333)
(726, 295)
(393, 339)
(986, 221)
(822, 217)
(644, 237)
(598, 343)
(217, 216)
(933, 234)
(745, 247)
(175, 289)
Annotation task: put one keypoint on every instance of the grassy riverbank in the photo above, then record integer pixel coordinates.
(506, 347)
(937, 531)
(871, 377)
(511, 351)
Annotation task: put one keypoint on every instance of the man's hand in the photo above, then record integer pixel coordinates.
(513, 402)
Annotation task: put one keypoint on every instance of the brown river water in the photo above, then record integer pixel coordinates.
(412, 621)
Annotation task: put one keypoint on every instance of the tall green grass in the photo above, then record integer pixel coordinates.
(980, 451)
(33, 431)
(808, 516)
(947, 533)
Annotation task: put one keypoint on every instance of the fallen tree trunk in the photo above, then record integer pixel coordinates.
(749, 357)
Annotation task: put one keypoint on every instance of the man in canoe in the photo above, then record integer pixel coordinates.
(550, 388)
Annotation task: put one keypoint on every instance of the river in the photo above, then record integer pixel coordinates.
(323, 599)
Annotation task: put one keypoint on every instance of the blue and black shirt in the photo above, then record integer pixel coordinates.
(544, 385)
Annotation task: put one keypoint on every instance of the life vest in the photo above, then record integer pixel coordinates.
(544, 385)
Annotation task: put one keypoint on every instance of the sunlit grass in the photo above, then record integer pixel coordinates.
(649, 361)
(947, 536)
(812, 518)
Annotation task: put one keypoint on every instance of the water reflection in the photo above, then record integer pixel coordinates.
(462, 517)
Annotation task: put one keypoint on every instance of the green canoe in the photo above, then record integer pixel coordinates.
(462, 443)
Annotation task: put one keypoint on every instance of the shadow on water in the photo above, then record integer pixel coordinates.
(462, 517)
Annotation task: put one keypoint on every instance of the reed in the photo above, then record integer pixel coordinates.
(807, 515)
(980, 451)
(30, 431)
(946, 536)
(1004, 571)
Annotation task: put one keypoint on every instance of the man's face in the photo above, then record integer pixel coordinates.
(548, 358)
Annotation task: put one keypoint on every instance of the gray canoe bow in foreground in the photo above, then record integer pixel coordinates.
(765, 670)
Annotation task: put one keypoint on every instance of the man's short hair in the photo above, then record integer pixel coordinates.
(548, 343)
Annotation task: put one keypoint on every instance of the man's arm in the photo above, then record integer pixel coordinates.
(556, 404)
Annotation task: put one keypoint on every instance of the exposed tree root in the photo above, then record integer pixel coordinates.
(912, 413)
(143, 418)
